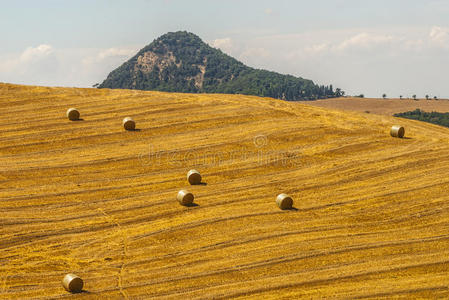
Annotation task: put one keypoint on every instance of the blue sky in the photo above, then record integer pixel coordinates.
(371, 47)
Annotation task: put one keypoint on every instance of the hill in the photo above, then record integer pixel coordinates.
(383, 106)
(90, 198)
(182, 62)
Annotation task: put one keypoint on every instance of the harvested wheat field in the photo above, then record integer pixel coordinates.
(382, 106)
(370, 216)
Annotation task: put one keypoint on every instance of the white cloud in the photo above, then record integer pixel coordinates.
(46, 65)
(439, 36)
(29, 57)
(36, 53)
(116, 52)
(370, 61)
(224, 44)
(364, 40)
(33, 65)
(256, 57)
(255, 52)
(317, 49)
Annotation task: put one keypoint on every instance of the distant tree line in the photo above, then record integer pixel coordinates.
(430, 117)
(384, 96)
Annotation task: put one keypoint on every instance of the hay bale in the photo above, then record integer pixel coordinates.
(129, 124)
(72, 283)
(194, 177)
(185, 197)
(73, 114)
(284, 201)
(397, 131)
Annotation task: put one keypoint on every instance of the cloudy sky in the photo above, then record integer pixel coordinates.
(397, 47)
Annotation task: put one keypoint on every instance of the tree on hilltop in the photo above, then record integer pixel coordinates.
(339, 92)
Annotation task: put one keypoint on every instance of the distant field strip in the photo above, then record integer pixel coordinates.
(90, 198)
(382, 106)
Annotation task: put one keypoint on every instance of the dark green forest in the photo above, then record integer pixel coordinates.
(430, 117)
(223, 74)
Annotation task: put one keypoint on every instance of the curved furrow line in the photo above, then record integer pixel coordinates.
(295, 258)
(327, 280)
(94, 136)
(231, 243)
(404, 292)
(245, 240)
(277, 286)
(32, 238)
(50, 126)
(243, 187)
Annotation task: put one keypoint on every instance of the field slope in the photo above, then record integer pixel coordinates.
(382, 106)
(87, 197)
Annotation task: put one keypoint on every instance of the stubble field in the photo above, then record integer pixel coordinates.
(382, 106)
(87, 197)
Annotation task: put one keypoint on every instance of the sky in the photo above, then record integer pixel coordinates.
(397, 47)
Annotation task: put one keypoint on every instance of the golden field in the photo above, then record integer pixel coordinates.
(382, 106)
(87, 197)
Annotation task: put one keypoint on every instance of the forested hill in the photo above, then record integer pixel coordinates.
(182, 62)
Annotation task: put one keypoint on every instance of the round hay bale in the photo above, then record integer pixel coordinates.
(397, 131)
(185, 197)
(284, 201)
(194, 177)
(72, 283)
(129, 124)
(73, 114)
